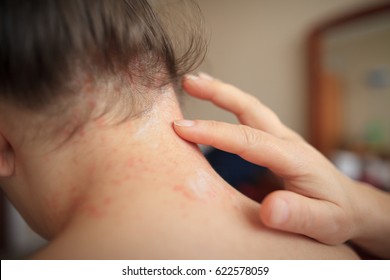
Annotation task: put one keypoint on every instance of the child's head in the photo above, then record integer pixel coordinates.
(57, 53)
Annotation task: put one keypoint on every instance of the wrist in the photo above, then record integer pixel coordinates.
(371, 219)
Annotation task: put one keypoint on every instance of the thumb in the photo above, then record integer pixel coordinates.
(318, 219)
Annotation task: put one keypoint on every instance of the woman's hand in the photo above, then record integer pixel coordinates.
(318, 201)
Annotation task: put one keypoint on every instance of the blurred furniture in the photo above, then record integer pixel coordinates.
(325, 88)
(349, 93)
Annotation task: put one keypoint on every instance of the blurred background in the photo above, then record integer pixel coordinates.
(322, 65)
(261, 47)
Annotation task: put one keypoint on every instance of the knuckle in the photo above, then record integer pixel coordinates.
(341, 227)
(213, 126)
(249, 138)
(251, 101)
(337, 226)
(301, 160)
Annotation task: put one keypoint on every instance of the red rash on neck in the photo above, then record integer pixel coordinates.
(182, 190)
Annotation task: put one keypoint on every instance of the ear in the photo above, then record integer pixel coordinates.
(7, 157)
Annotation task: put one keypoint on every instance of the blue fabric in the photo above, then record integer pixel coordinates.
(233, 169)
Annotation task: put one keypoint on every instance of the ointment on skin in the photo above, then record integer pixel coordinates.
(206, 188)
(202, 186)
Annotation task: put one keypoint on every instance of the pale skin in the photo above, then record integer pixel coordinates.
(318, 201)
(134, 190)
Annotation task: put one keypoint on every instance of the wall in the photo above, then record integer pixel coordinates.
(362, 63)
(259, 45)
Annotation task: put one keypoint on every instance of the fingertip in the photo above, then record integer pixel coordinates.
(189, 81)
(199, 86)
(199, 131)
(190, 78)
(275, 211)
(185, 129)
(198, 78)
(184, 123)
(280, 213)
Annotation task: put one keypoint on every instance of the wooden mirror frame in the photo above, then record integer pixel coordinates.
(325, 112)
(2, 224)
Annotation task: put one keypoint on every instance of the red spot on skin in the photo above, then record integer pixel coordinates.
(76, 199)
(88, 86)
(103, 139)
(117, 182)
(81, 132)
(94, 211)
(109, 165)
(91, 104)
(100, 121)
(52, 202)
(130, 163)
(181, 189)
(66, 131)
(73, 190)
(53, 207)
(46, 158)
(117, 88)
(107, 201)
(92, 170)
(205, 221)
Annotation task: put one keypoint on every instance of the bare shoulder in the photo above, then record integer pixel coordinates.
(234, 231)
(177, 225)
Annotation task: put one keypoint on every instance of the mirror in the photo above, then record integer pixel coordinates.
(349, 70)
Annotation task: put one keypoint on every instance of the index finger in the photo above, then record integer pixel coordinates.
(248, 109)
(252, 145)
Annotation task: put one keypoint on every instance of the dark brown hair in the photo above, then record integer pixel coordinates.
(44, 43)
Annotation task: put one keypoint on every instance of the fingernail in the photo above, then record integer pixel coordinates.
(191, 77)
(280, 212)
(185, 123)
(205, 76)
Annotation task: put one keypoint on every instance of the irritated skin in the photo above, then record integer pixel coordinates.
(135, 190)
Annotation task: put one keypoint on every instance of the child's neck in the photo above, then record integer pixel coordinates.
(112, 164)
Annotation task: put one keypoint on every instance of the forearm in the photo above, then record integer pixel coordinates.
(372, 220)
